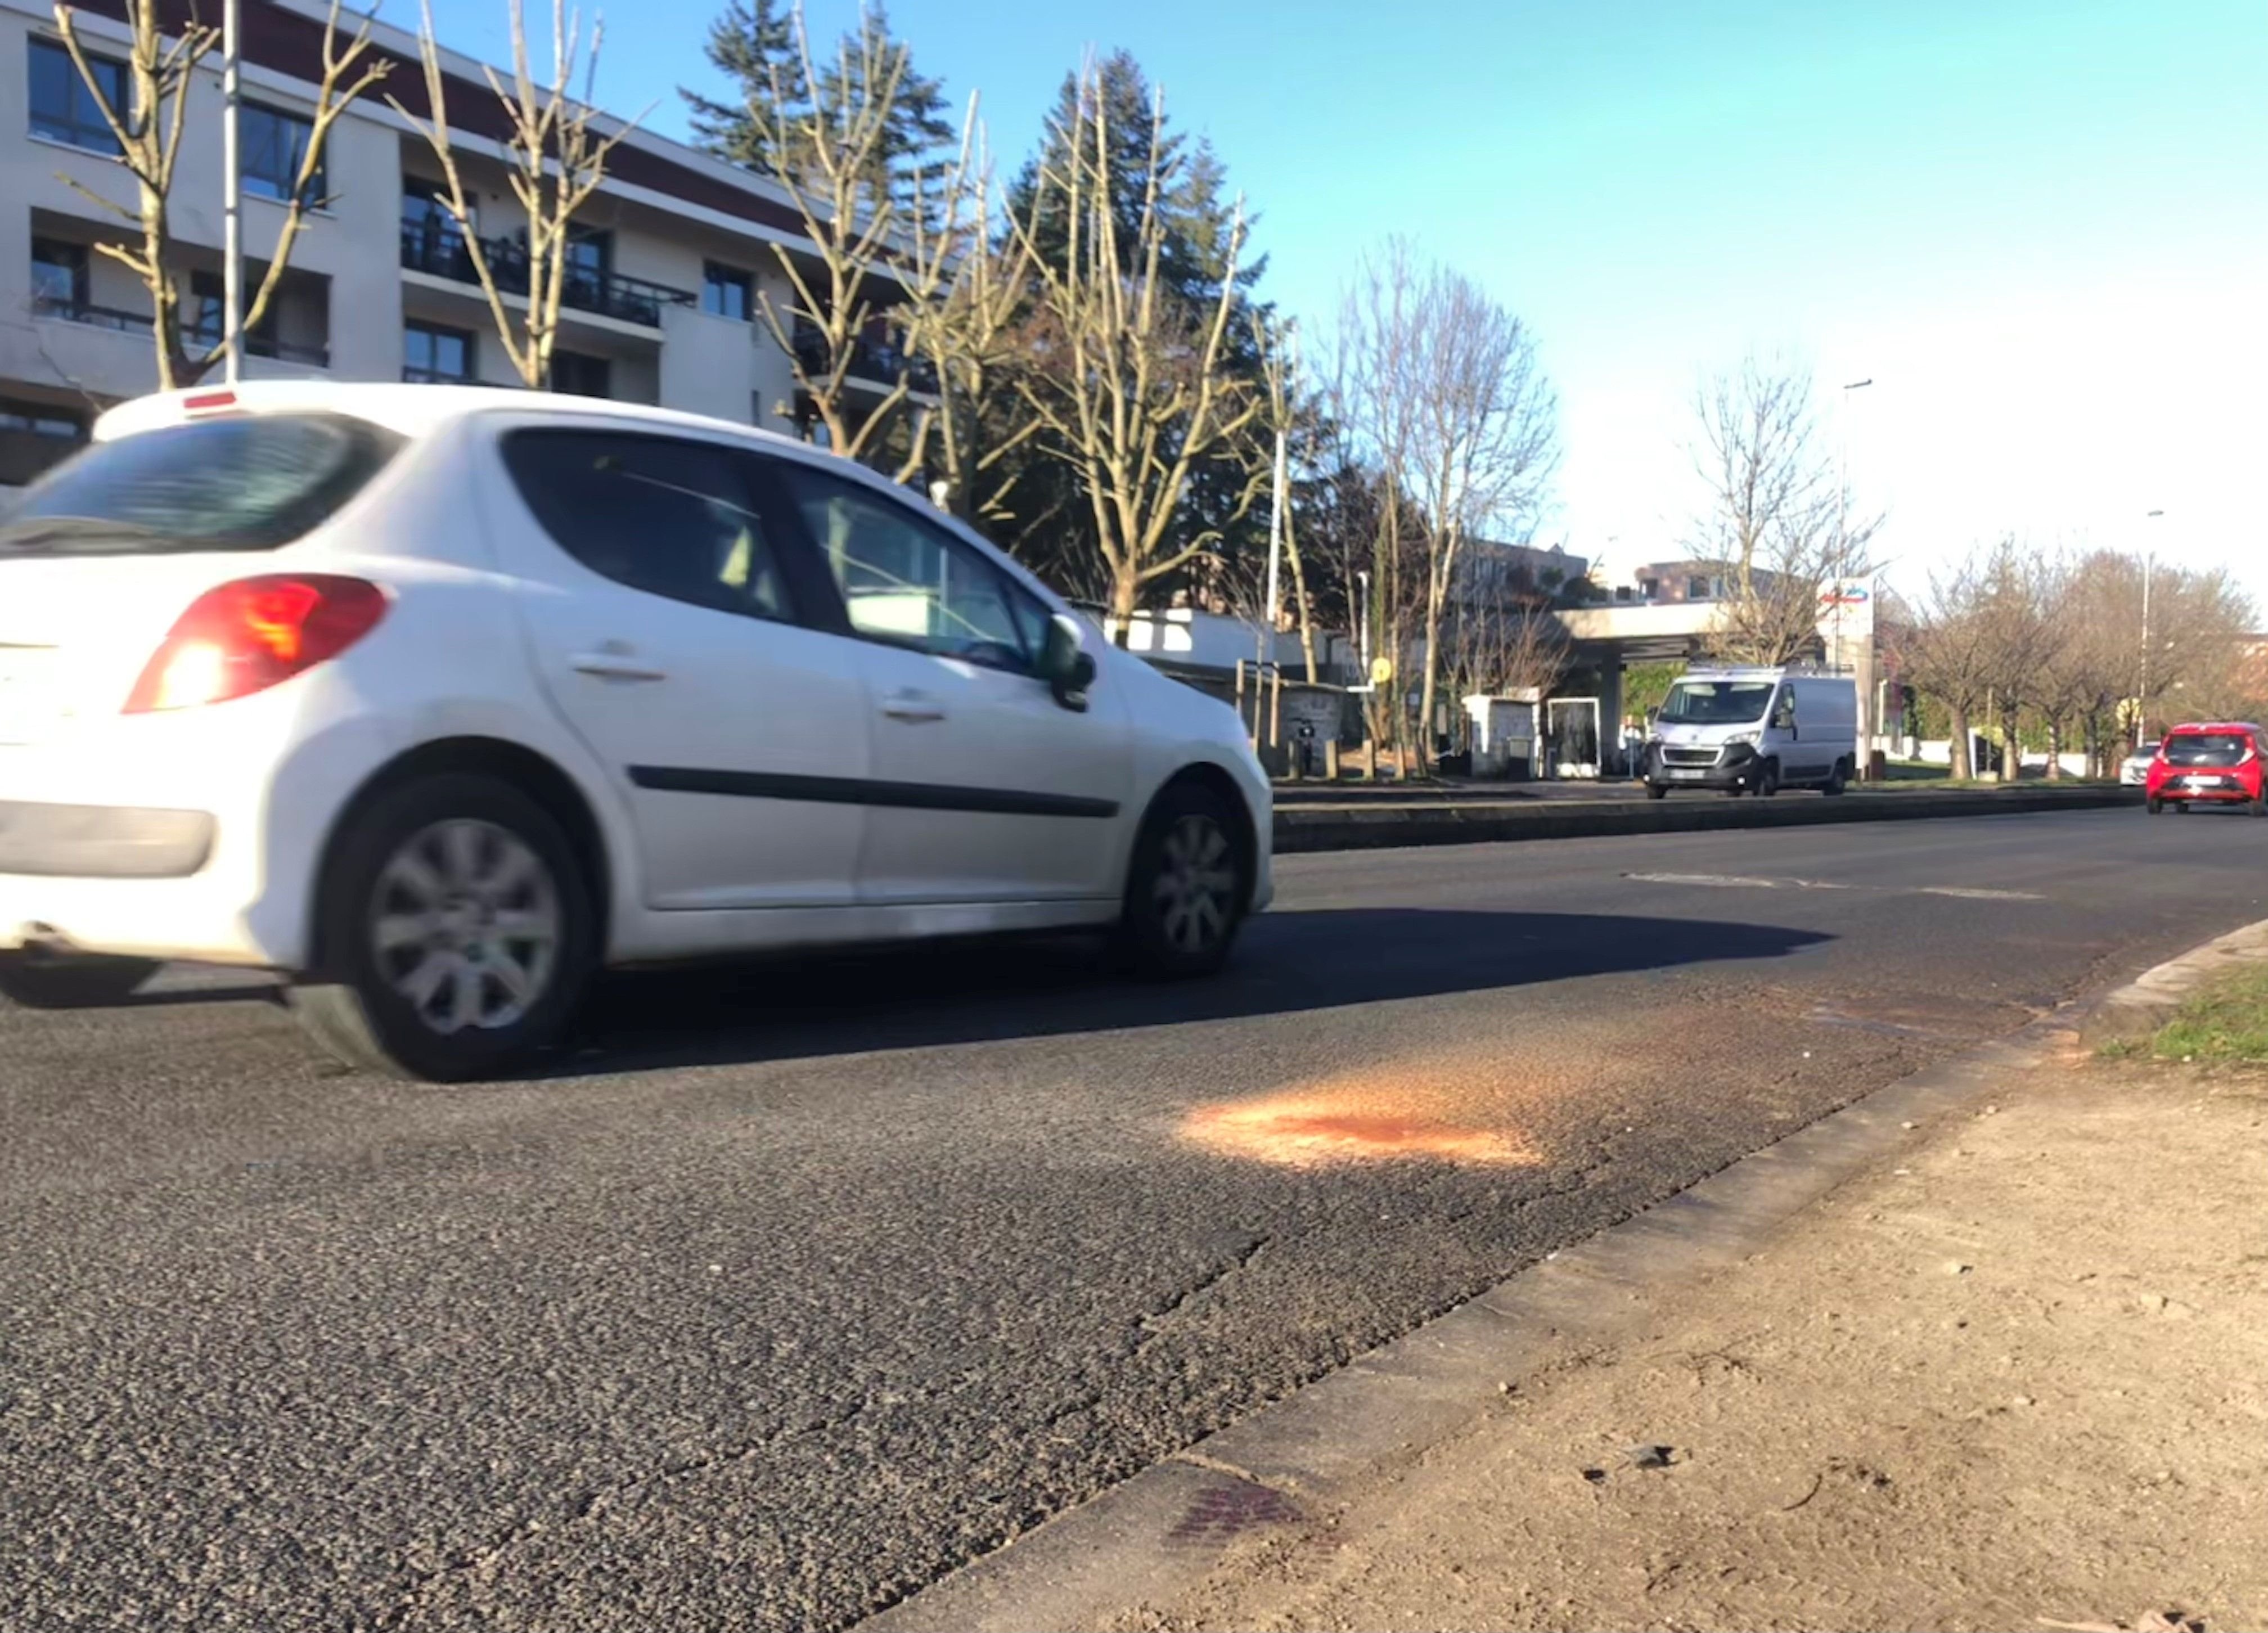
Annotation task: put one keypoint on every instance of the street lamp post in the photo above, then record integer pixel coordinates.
(2142, 690)
(231, 272)
(1863, 673)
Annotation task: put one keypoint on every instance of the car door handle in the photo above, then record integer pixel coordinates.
(914, 708)
(608, 665)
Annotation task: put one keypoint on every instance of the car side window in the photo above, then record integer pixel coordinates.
(660, 514)
(1784, 710)
(909, 584)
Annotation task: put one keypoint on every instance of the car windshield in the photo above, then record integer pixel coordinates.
(1716, 703)
(247, 482)
(2206, 748)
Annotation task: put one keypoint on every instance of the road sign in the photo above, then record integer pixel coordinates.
(1381, 671)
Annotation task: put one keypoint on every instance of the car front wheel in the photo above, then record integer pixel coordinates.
(1186, 891)
(457, 933)
(37, 981)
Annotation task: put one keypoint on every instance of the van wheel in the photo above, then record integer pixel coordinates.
(1657, 791)
(1768, 780)
(1839, 779)
(457, 933)
(1186, 890)
(38, 980)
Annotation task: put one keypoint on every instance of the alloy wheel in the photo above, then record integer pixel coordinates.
(1196, 888)
(464, 926)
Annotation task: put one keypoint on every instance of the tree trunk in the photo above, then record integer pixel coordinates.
(1125, 589)
(2055, 751)
(1430, 682)
(1963, 769)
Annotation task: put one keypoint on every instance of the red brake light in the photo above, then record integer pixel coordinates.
(243, 638)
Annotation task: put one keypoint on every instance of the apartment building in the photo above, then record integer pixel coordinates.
(661, 306)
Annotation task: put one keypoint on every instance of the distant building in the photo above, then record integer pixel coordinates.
(1675, 583)
(1494, 576)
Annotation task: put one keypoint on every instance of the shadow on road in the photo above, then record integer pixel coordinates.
(972, 993)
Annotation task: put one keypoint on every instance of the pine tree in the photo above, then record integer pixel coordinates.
(755, 44)
(1199, 210)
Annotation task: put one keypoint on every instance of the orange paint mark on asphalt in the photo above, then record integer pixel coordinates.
(1352, 1121)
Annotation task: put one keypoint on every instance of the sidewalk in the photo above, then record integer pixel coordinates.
(2015, 1378)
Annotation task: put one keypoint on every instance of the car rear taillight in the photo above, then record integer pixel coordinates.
(246, 636)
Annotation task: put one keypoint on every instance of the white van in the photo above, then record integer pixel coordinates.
(1743, 729)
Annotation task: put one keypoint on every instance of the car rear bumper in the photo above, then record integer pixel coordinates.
(47, 840)
(192, 836)
(2222, 789)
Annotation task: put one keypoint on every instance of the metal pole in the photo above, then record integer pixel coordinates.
(2142, 691)
(1276, 544)
(231, 194)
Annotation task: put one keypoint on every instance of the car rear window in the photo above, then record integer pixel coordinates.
(247, 482)
(2206, 748)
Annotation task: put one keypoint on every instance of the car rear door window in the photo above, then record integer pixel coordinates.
(668, 516)
(253, 482)
(909, 583)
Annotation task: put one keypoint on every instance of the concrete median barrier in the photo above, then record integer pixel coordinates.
(1372, 823)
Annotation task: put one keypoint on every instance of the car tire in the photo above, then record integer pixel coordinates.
(1186, 888)
(458, 932)
(39, 981)
(2155, 805)
(1838, 779)
(1768, 780)
(1657, 791)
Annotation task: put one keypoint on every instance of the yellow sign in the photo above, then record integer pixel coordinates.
(1381, 671)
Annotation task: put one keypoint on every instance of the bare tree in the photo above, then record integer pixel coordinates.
(557, 158)
(1444, 389)
(1779, 514)
(1285, 419)
(878, 245)
(970, 333)
(1131, 390)
(1506, 647)
(1948, 653)
(1485, 444)
(2015, 605)
(161, 74)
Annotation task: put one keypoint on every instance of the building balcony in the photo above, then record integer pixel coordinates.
(445, 255)
(140, 323)
(874, 361)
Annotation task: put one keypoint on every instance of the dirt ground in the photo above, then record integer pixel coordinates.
(2019, 1381)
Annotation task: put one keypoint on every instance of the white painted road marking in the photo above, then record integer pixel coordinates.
(1742, 881)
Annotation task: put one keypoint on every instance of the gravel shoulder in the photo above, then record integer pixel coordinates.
(2016, 1378)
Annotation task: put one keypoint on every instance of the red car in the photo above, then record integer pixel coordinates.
(2216, 764)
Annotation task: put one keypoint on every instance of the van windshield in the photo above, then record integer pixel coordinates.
(1716, 702)
(247, 482)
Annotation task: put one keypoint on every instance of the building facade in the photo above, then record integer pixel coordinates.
(674, 252)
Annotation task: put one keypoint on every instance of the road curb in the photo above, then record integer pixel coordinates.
(1156, 1534)
(1303, 828)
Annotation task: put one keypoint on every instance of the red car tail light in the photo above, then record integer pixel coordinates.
(246, 636)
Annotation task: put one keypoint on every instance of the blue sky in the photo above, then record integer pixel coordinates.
(2041, 229)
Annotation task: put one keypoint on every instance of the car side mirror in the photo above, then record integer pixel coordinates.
(1065, 663)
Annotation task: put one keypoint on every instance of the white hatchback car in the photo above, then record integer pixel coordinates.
(438, 700)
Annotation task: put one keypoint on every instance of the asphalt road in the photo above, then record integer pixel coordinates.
(801, 1284)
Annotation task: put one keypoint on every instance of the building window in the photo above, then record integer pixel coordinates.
(63, 109)
(578, 375)
(725, 292)
(274, 145)
(38, 420)
(58, 277)
(1696, 589)
(435, 356)
(204, 315)
(589, 258)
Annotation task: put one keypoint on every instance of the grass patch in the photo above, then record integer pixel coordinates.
(2226, 1021)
